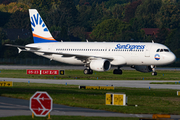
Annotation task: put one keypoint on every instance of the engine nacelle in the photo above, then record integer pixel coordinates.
(100, 65)
(142, 68)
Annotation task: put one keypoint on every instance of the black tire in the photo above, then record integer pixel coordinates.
(90, 71)
(154, 73)
(117, 71)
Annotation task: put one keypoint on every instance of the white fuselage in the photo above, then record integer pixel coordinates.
(122, 53)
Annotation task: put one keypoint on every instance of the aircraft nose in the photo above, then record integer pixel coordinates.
(172, 58)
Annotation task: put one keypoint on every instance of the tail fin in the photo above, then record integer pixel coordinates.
(40, 32)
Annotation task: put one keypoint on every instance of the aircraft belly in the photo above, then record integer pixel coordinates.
(68, 60)
(59, 58)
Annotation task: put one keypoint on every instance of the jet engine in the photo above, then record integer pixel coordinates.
(142, 68)
(100, 65)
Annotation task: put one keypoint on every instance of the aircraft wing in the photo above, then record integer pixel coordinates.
(78, 56)
(20, 46)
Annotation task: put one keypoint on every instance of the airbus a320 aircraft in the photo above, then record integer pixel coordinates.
(98, 56)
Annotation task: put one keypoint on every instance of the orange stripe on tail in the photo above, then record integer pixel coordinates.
(49, 38)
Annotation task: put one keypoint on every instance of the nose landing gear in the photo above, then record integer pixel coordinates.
(154, 73)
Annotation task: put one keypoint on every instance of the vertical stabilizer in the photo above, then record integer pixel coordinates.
(40, 32)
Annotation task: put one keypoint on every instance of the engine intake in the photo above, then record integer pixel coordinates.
(100, 65)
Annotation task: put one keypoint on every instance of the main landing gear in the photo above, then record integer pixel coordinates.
(117, 71)
(154, 73)
(88, 71)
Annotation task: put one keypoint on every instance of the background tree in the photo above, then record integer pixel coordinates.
(168, 16)
(130, 10)
(118, 11)
(110, 30)
(162, 35)
(19, 20)
(145, 13)
(173, 42)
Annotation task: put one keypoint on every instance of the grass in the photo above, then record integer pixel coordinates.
(172, 83)
(66, 118)
(78, 74)
(154, 101)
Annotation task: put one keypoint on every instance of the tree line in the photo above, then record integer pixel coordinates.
(106, 20)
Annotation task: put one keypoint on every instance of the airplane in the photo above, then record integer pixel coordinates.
(97, 56)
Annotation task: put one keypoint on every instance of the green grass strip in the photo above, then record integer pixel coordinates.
(169, 83)
(108, 75)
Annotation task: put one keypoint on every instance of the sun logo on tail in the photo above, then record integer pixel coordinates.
(37, 23)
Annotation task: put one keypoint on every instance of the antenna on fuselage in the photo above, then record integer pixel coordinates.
(152, 41)
(87, 40)
(61, 40)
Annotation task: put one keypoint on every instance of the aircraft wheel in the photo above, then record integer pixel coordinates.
(154, 73)
(117, 71)
(86, 71)
(90, 71)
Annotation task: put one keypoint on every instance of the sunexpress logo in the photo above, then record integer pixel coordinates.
(36, 20)
(131, 47)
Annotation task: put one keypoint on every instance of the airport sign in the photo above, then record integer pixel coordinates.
(108, 99)
(97, 87)
(50, 72)
(6, 83)
(44, 72)
(41, 104)
(116, 99)
(61, 72)
(35, 72)
(178, 93)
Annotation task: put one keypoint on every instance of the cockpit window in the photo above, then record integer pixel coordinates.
(161, 50)
(158, 50)
(166, 50)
